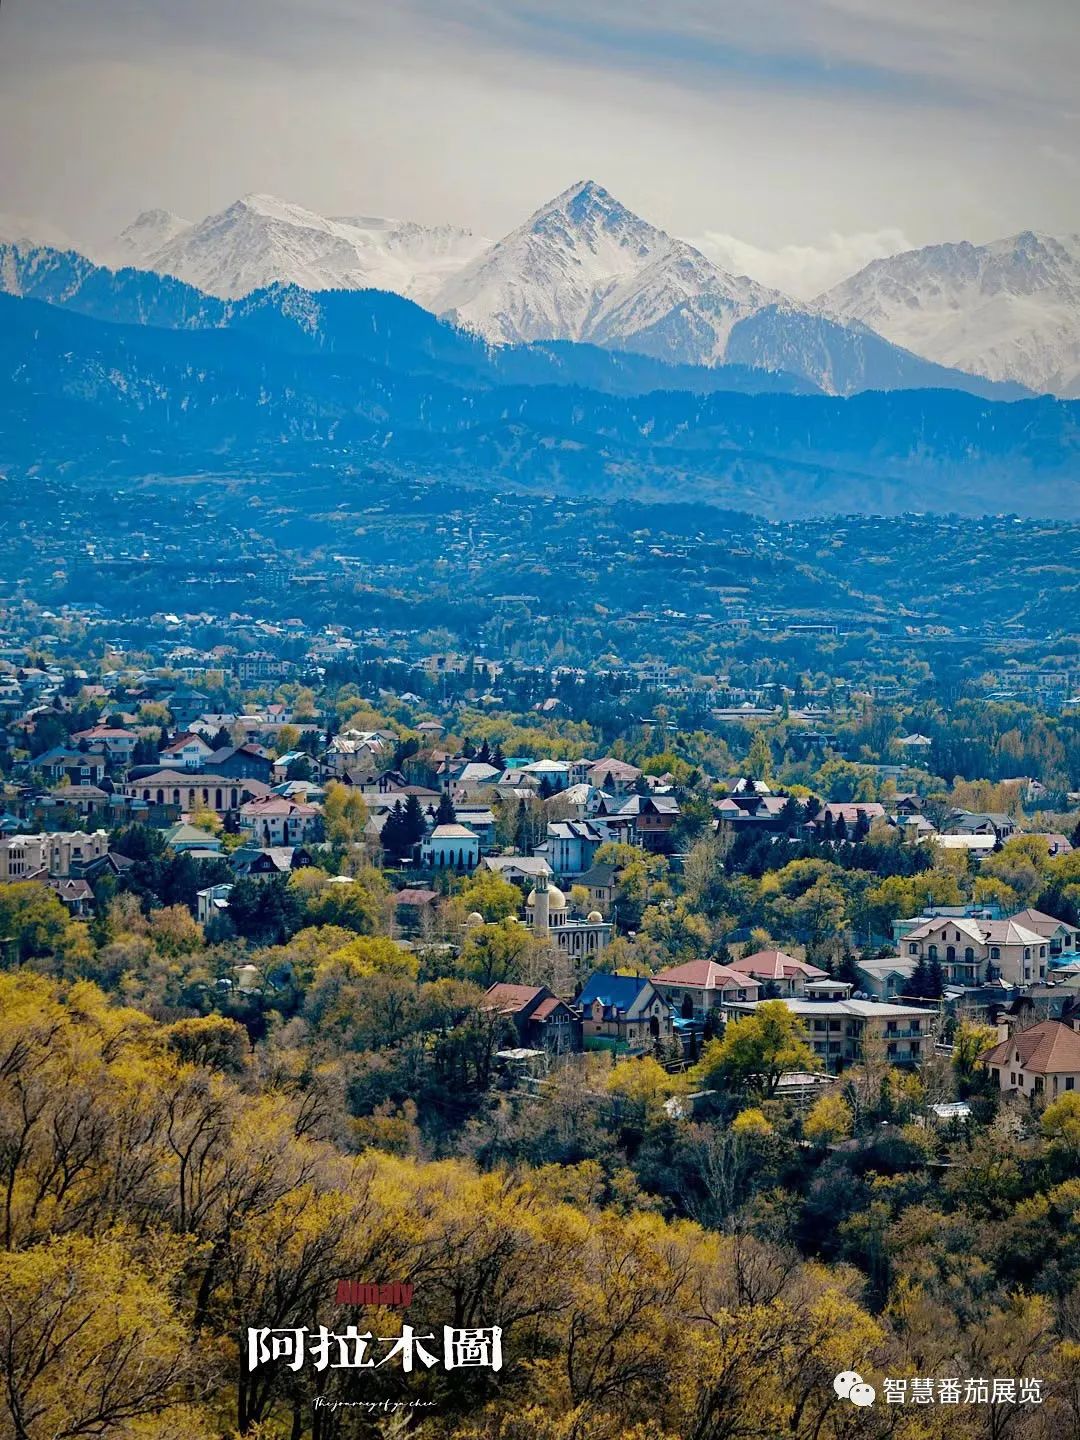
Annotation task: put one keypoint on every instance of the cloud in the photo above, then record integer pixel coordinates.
(781, 120)
(803, 271)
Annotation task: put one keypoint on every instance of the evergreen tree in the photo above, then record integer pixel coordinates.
(415, 827)
(522, 834)
(483, 755)
(920, 979)
(446, 814)
(498, 759)
(935, 981)
(393, 832)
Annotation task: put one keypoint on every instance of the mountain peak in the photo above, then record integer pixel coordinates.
(585, 205)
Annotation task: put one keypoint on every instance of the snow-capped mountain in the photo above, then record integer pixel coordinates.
(1009, 310)
(147, 234)
(583, 267)
(260, 241)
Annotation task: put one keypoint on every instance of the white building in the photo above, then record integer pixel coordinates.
(450, 847)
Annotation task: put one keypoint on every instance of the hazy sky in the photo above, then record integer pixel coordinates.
(818, 132)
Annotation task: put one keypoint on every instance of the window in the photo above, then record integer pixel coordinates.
(969, 955)
(913, 949)
(932, 951)
(995, 952)
(1070, 1082)
(950, 954)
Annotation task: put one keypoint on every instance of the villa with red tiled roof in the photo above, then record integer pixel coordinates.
(774, 967)
(1042, 1060)
(700, 986)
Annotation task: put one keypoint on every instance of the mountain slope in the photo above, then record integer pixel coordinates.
(370, 325)
(260, 241)
(844, 358)
(1009, 310)
(89, 399)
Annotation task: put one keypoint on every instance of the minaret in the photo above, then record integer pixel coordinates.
(541, 912)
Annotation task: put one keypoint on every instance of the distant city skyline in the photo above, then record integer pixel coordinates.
(793, 140)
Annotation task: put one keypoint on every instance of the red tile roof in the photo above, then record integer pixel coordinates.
(1045, 1049)
(776, 965)
(703, 975)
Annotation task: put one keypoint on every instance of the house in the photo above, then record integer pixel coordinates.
(1056, 843)
(614, 776)
(60, 854)
(838, 1030)
(966, 822)
(599, 881)
(540, 1019)
(465, 776)
(189, 838)
(480, 819)
(518, 869)
(84, 802)
(185, 706)
(187, 752)
(212, 903)
(886, 977)
(552, 776)
(450, 847)
(653, 818)
(1061, 937)
(852, 814)
(971, 950)
(570, 845)
(413, 906)
(274, 820)
(700, 988)
(261, 863)
(78, 767)
(624, 1012)
(75, 895)
(781, 973)
(243, 762)
(1043, 1060)
(913, 742)
(116, 744)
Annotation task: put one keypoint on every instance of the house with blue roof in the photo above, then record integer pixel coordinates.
(625, 1013)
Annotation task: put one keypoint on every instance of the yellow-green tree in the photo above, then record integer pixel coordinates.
(756, 1050)
(828, 1120)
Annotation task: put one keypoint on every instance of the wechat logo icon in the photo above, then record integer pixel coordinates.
(849, 1385)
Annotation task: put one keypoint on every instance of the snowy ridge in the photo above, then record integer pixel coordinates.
(261, 240)
(1009, 310)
